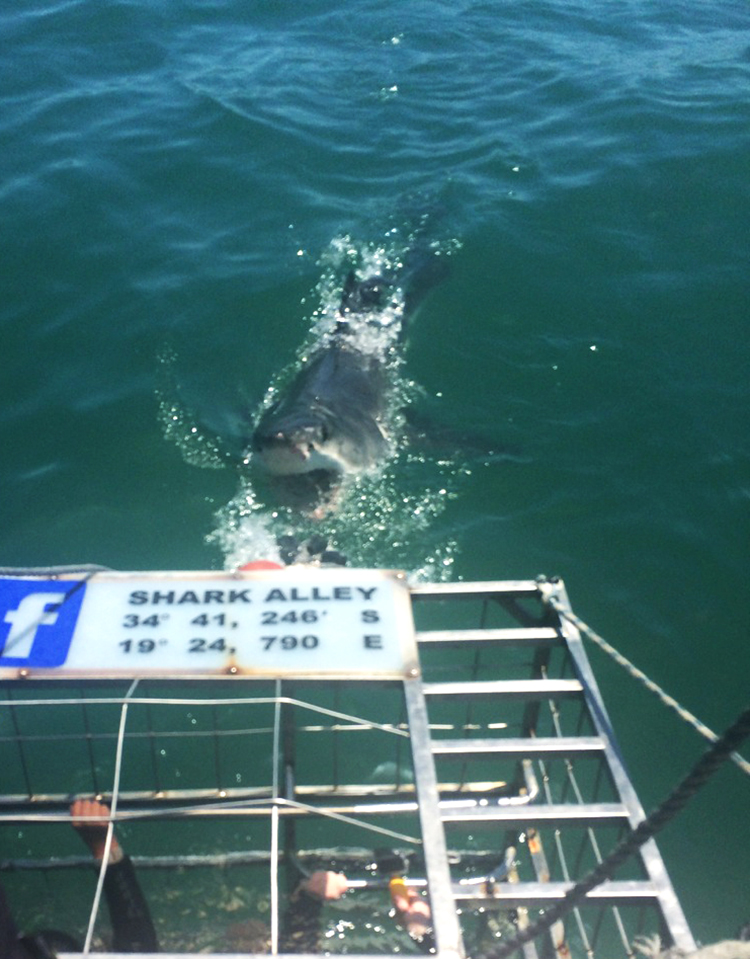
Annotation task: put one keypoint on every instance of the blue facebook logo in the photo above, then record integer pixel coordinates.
(37, 621)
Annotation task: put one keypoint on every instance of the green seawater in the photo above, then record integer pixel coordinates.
(171, 177)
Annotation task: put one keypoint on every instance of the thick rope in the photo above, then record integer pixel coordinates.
(706, 766)
(638, 674)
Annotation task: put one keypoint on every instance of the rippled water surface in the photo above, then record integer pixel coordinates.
(172, 177)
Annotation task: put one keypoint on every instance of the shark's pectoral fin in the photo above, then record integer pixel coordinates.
(424, 433)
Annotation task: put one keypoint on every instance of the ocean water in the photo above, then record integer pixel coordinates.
(176, 179)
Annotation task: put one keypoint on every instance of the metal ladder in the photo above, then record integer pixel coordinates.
(502, 692)
(537, 633)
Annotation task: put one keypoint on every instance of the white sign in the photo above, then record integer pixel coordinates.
(309, 622)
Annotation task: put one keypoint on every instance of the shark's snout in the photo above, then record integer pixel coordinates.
(303, 439)
(287, 450)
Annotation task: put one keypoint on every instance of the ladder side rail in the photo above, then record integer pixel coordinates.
(445, 918)
(651, 858)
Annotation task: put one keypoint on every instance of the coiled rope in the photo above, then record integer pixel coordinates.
(706, 766)
(638, 674)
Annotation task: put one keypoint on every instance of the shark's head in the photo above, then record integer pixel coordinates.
(328, 419)
(290, 446)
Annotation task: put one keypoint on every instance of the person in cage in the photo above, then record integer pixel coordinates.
(129, 915)
(301, 925)
(300, 928)
(132, 927)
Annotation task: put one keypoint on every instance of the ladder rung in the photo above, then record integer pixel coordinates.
(541, 747)
(503, 588)
(542, 636)
(510, 688)
(562, 814)
(509, 895)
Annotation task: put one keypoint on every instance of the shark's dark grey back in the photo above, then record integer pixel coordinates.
(331, 417)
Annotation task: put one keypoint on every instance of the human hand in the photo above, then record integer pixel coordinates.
(412, 910)
(325, 885)
(91, 820)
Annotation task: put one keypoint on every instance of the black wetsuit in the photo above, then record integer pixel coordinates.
(132, 928)
(9, 944)
(300, 930)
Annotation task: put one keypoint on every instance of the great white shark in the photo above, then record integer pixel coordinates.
(332, 418)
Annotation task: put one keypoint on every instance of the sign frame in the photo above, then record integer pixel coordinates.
(300, 622)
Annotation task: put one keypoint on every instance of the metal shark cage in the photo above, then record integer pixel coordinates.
(482, 765)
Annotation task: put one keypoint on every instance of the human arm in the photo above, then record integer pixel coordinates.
(301, 927)
(129, 915)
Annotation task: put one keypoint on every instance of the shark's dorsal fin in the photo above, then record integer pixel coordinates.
(350, 287)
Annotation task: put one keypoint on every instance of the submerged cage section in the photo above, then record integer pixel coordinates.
(486, 775)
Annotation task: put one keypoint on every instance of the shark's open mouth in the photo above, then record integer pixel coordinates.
(287, 455)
